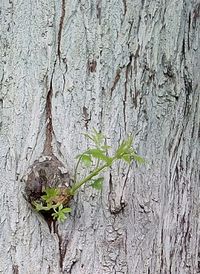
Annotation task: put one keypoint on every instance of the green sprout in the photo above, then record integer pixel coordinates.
(60, 214)
(53, 201)
(95, 160)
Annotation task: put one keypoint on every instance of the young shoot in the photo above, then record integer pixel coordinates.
(96, 160)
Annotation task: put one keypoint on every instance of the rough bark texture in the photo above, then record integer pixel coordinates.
(121, 66)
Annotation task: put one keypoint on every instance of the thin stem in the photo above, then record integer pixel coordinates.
(89, 177)
(76, 168)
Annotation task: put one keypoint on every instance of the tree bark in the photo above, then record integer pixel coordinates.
(121, 66)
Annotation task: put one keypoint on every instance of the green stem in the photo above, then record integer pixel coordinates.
(76, 168)
(86, 179)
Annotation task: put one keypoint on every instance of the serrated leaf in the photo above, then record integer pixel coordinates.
(98, 138)
(60, 215)
(66, 210)
(86, 160)
(124, 148)
(50, 194)
(55, 215)
(39, 207)
(97, 183)
(127, 158)
(99, 154)
(138, 159)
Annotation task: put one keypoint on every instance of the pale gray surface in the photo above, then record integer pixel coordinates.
(123, 66)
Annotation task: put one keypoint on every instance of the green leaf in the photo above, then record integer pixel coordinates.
(66, 210)
(124, 148)
(40, 206)
(127, 158)
(57, 216)
(97, 183)
(86, 160)
(100, 154)
(98, 138)
(138, 159)
(51, 193)
(101, 161)
(60, 215)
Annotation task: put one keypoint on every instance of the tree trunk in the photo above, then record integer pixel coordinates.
(120, 66)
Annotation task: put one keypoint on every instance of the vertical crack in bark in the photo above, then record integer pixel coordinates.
(188, 91)
(142, 4)
(189, 29)
(86, 117)
(110, 192)
(183, 50)
(62, 248)
(135, 93)
(98, 8)
(128, 69)
(49, 128)
(61, 27)
(117, 77)
(136, 55)
(195, 15)
(122, 202)
(125, 6)
(162, 252)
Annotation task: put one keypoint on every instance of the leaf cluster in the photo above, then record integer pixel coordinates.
(52, 201)
(126, 152)
(95, 160)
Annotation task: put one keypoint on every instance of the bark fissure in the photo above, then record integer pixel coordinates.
(86, 117)
(123, 203)
(127, 71)
(61, 28)
(98, 9)
(117, 77)
(49, 127)
(125, 6)
(61, 246)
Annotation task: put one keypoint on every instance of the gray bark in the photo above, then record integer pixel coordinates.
(121, 66)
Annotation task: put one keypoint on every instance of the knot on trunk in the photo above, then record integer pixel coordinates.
(47, 172)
